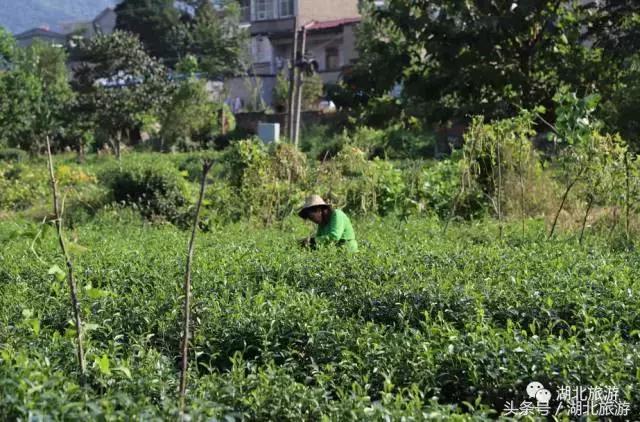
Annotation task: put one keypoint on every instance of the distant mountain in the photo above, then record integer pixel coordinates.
(20, 15)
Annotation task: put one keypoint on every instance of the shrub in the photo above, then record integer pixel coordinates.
(158, 189)
(360, 185)
(21, 186)
(14, 155)
(190, 165)
(438, 186)
(311, 91)
(394, 142)
(408, 143)
(268, 182)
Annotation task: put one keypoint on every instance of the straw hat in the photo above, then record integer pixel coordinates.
(312, 202)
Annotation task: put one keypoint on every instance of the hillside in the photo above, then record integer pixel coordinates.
(20, 15)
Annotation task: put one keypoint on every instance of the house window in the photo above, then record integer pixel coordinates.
(245, 10)
(332, 59)
(286, 8)
(264, 9)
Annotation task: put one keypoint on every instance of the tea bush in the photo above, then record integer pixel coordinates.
(416, 325)
(158, 189)
(20, 186)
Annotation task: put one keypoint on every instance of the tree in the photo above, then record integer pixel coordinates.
(78, 128)
(189, 111)
(613, 26)
(312, 89)
(211, 34)
(619, 109)
(215, 37)
(153, 21)
(119, 84)
(35, 93)
(486, 57)
(7, 49)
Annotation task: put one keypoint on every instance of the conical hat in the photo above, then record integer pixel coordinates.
(311, 202)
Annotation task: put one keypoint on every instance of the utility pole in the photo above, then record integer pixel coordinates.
(292, 80)
(299, 88)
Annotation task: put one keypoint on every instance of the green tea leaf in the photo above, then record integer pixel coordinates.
(57, 273)
(103, 364)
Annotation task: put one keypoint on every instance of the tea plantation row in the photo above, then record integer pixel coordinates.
(416, 325)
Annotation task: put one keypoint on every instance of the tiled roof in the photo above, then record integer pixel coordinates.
(317, 26)
(40, 32)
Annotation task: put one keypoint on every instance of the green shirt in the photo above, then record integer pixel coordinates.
(337, 229)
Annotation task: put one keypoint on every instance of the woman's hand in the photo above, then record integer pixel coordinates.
(307, 242)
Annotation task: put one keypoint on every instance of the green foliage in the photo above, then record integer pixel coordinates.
(359, 185)
(269, 182)
(497, 152)
(12, 155)
(188, 66)
(170, 33)
(577, 132)
(413, 326)
(20, 186)
(156, 189)
(152, 20)
(619, 104)
(35, 95)
(312, 89)
(396, 141)
(141, 87)
(477, 57)
(438, 185)
(217, 40)
(281, 91)
(189, 112)
(7, 49)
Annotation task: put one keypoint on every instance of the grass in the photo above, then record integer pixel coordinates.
(415, 325)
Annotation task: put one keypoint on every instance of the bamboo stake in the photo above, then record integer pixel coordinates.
(499, 187)
(522, 205)
(187, 290)
(627, 194)
(73, 291)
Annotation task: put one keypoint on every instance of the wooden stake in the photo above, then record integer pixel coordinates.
(187, 290)
(73, 291)
(627, 195)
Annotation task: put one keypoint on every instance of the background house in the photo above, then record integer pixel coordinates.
(25, 39)
(104, 23)
(330, 39)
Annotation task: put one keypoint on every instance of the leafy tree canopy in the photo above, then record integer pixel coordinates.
(152, 20)
(488, 57)
(171, 31)
(120, 85)
(34, 93)
(7, 48)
